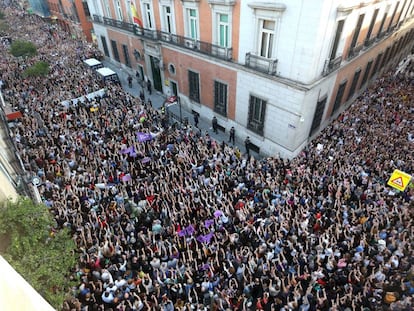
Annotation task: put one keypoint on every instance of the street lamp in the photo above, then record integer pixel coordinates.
(179, 104)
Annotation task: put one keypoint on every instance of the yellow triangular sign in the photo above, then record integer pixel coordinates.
(399, 180)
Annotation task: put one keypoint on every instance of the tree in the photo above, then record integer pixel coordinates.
(4, 27)
(23, 49)
(43, 255)
(38, 69)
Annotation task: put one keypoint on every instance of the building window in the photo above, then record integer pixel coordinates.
(384, 60)
(384, 18)
(148, 16)
(376, 66)
(393, 15)
(86, 9)
(220, 98)
(223, 30)
(119, 15)
(171, 69)
(366, 73)
(105, 46)
(339, 96)
(107, 9)
(400, 18)
(266, 37)
(408, 9)
(115, 50)
(126, 55)
(257, 111)
(192, 24)
(221, 12)
(338, 34)
(372, 24)
(167, 19)
(194, 86)
(74, 16)
(354, 83)
(317, 117)
(357, 30)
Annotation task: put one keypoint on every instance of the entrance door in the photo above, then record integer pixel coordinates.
(105, 46)
(174, 88)
(156, 74)
(140, 72)
(317, 117)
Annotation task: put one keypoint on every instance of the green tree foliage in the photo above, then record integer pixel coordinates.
(23, 49)
(44, 257)
(4, 27)
(38, 69)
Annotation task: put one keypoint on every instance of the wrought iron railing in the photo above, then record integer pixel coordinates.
(381, 34)
(354, 51)
(118, 24)
(188, 43)
(369, 42)
(262, 64)
(331, 65)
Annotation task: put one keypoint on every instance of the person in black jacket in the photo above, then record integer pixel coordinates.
(214, 124)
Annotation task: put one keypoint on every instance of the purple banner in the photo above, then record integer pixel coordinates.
(208, 222)
(142, 137)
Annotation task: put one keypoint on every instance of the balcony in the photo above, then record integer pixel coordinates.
(353, 52)
(118, 24)
(262, 64)
(188, 43)
(331, 65)
(369, 42)
(381, 35)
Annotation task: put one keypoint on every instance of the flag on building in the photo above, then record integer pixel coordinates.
(135, 18)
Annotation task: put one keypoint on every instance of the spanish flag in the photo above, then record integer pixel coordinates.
(135, 18)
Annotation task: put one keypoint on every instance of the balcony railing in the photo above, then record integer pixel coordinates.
(262, 64)
(331, 65)
(381, 34)
(191, 44)
(353, 52)
(196, 45)
(369, 42)
(118, 24)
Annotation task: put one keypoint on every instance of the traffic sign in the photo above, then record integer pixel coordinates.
(399, 180)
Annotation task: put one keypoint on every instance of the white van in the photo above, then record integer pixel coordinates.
(107, 74)
(93, 63)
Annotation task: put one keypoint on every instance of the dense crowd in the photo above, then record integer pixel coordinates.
(169, 219)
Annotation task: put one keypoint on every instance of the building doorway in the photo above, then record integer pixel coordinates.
(174, 88)
(156, 73)
(140, 73)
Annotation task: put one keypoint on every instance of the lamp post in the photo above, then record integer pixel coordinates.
(179, 104)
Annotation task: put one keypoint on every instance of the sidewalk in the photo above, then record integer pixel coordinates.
(158, 99)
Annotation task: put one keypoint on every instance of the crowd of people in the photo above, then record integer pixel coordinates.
(167, 218)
